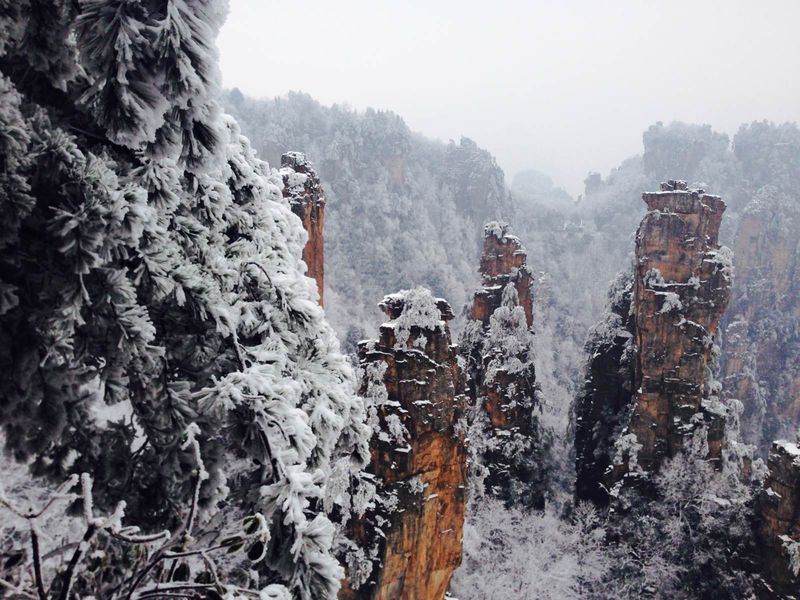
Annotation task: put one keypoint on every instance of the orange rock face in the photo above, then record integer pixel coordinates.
(681, 288)
(761, 358)
(413, 536)
(778, 508)
(304, 192)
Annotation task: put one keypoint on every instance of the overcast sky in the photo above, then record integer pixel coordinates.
(560, 86)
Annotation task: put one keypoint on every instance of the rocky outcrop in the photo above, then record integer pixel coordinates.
(680, 289)
(778, 508)
(502, 262)
(409, 544)
(304, 192)
(761, 359)
(497, 348)
(602, 408)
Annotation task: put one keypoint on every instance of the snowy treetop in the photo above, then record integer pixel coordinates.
(788, 447)
(499, 230)
(415, 307)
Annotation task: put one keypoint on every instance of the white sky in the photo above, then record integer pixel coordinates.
(560, 86)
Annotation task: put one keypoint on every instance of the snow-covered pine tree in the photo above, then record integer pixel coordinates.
(151, 285)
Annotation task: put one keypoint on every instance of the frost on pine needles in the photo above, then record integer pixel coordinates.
(156, 328)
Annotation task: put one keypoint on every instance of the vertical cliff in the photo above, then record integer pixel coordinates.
(304, 192)
(497, 348)
(409, 543)
(761, 358)
(681, 288)
(602, 408)
(778, 509)
(650, 387)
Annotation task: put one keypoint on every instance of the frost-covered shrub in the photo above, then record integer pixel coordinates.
(514, 554)
(691, 540)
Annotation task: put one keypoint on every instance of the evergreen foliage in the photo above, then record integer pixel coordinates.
(403, 210)
(152, 291)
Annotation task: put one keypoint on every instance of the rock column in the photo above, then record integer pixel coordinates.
(681, 287)
(411, 540)
(498, 350)
(650, 389)
(304, 192)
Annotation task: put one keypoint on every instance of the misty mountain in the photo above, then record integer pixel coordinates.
(506, 391)
(403, 210)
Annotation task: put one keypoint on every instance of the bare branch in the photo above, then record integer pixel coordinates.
(10, 586)
(37, 563)
(69, 575)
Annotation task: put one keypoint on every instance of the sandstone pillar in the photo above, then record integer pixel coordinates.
(303, 190)
(411, 381)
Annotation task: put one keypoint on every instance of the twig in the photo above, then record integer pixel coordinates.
(136, 580)
(10, 586)
(212, 568)
(37, 563)
(73, 563)
(161, 589)
(181, 595)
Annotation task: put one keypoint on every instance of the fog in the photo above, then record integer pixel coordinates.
(563, 87)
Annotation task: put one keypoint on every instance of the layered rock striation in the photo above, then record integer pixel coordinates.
(650, 389)
(681, 287)
(409, 543)
(778, 531)
(303, 190)
(498, 356)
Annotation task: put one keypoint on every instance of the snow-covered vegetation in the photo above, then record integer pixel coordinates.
(159, 337)
(403, 210)
(179, 418)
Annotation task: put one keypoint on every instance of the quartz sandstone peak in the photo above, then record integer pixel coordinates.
(681, 286)
(302, 188)
(660, 357)
(497, 346)
(413, 389)
(502, 262)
